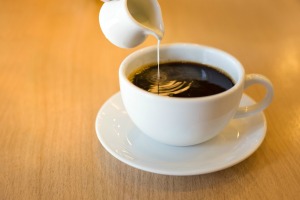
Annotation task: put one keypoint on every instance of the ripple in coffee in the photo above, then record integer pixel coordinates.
(182, 79)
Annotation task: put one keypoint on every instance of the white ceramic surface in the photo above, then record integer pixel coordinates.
(127, 23)
(188, 121)
(122, 139)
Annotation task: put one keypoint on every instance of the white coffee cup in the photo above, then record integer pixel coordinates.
(188, 121)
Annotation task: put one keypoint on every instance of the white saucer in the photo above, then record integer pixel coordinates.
(123, 140)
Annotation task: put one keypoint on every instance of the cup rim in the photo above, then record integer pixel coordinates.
(147, 50)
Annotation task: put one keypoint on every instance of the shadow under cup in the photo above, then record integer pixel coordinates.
(181, 121)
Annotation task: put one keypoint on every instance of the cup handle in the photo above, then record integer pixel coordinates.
(250, 80)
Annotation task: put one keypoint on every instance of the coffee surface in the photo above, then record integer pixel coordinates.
(181, 79)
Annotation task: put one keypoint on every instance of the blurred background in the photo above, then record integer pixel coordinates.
(57, 69)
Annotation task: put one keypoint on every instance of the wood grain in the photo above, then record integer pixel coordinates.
(57, 69)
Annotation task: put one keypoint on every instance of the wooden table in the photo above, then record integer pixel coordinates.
(57, 69)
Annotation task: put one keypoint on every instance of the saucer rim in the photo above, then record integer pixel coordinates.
(195, 171)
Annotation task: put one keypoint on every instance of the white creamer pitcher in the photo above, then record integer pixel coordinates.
(127, 23)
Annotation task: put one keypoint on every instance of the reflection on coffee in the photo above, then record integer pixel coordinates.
(182, 79)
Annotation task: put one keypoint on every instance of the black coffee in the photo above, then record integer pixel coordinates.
(182, 79)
